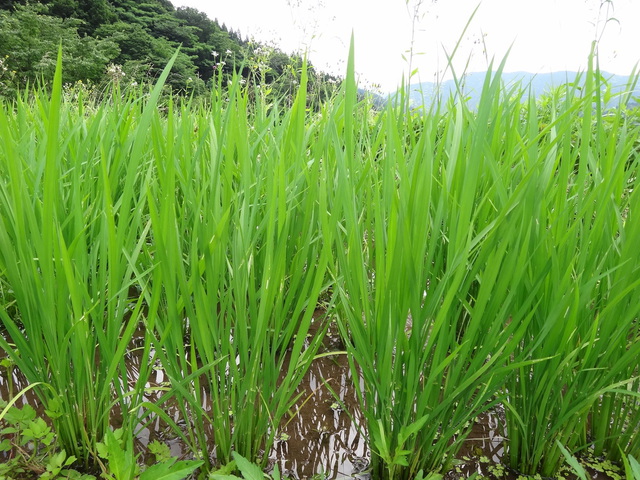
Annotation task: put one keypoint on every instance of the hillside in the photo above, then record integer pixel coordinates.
(131, 41)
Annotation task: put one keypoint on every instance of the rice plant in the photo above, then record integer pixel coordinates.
(480, 245)
(582, 334)
(72, 240)
(472, 257)
(240, 264)
(417, 262)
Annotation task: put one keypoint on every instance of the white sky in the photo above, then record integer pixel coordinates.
(544, 35)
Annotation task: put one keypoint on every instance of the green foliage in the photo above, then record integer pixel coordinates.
(479, 260)
(71, 336)
(121, 461)
(200, 24)
(276, 77)
(584, 326)
(573, 463)
(631, 467)
(33, 450)
(474, 257)
(92, 14)
(107, 236)
(32, 445)
(29, 41)
(248, 470)
(140, 38)
(247, 277)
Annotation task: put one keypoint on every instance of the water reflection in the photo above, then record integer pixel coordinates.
(321, 437)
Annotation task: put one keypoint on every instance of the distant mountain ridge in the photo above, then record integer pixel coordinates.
(537, 83)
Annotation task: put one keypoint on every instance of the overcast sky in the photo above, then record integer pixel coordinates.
(544, 35)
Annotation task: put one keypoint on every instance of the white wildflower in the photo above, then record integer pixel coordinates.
(115, 72)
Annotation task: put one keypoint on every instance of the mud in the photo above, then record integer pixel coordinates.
(322, 439)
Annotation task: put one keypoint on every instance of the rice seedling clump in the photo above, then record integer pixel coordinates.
(468, 257)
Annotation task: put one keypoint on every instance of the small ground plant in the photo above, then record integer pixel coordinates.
(29, 447)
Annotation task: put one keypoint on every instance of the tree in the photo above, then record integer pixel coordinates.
(203, 26)
(63, 8)
(94, 13)
(175, 30)
(133, 40)
(143, 56)
(30, 41)
(138, 36)
(9, 4)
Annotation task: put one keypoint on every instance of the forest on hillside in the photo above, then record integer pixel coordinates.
(131, 41)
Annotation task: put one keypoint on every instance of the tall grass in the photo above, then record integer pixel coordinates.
(420, 267)
(473, 257)
(72, 247)
(479, 256)
(234, 217)
(585, 321)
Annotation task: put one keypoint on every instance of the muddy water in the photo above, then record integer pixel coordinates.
(322, 440)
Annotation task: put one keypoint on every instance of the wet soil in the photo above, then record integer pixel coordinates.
(322, 439)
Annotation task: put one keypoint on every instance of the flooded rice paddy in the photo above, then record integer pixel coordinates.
(324, 439)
